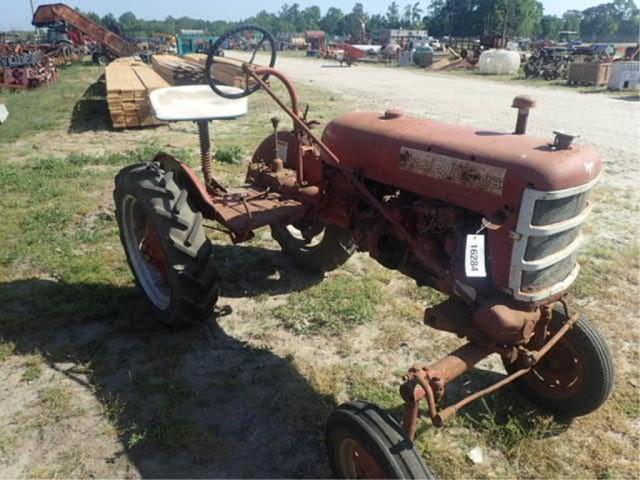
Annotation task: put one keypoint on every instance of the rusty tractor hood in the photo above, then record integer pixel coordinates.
(477, 169)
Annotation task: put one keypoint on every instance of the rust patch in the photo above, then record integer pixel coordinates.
(455, 170)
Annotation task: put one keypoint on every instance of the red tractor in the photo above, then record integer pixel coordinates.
(490, 219)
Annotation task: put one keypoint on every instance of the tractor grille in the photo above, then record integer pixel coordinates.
(543, 261)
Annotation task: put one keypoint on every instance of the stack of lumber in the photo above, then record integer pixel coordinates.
(178, 71)
(129, 83)
(223, 73)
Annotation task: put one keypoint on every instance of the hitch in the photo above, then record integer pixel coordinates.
(428, 382)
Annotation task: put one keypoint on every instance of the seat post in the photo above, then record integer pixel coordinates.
(205, 151)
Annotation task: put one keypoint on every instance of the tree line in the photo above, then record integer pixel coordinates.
(614, 21)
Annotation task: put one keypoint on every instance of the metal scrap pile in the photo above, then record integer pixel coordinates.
(30, 66)
(64, 54)
(549, 63)
(22, 67)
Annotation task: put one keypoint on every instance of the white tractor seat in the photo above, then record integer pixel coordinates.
(196, 103)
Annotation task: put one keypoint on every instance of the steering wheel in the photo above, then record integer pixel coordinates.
(266, 37)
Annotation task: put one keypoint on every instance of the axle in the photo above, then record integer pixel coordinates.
(428, 383)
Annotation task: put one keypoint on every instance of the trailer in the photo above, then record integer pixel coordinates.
(110, 44)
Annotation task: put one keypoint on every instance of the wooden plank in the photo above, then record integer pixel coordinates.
(223, 73)
(129, 82)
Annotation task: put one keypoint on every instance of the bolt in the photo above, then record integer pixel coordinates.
(523, 103)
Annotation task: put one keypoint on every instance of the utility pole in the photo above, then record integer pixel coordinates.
(33, 11)
(507, 14)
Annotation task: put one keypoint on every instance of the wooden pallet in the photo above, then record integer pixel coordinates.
(129, 83)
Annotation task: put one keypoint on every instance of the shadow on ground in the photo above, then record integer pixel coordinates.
(193, 403)
(199, 403)
(249, 271)
(91, 112)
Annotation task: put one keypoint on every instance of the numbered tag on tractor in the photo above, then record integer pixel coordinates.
(474, 264)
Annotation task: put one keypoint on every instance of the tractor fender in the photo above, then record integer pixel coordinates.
(198, 194)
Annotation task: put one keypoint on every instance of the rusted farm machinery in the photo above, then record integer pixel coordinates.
(105, 45)
(27, 66)
(491, 219)
(549, 63)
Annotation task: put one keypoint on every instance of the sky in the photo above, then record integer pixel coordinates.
(16, 14)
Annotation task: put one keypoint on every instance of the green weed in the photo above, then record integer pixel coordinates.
(231, 154)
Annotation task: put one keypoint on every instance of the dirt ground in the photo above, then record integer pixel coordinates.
(91, 386)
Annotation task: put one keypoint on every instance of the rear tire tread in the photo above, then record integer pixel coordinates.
(193, 279)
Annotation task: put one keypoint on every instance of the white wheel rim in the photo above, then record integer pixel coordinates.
(150, 278)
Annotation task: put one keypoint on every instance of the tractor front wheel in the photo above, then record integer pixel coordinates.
(576, 376)
(166, 247)
(364, 441)
(315, 246)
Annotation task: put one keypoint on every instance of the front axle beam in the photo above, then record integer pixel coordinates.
(428, 382)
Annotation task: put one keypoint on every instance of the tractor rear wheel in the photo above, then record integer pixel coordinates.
(314, 246)
(575, 377)
(166, 247)
(364, 441)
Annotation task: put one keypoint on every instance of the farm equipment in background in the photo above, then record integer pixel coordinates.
(343, 53)
(316, 42)
(549, 63)
(106, 45)
(26, 67)
(491, 219)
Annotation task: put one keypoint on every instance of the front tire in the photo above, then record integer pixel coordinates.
(165, 244)
(576, 376)
(364, 441)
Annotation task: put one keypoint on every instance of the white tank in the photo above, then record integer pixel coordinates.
(499, 62)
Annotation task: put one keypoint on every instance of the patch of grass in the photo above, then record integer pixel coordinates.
(55, 402)
(392, 335)
(32, 368)
(602, 267)
(366, 387)
(335, 305)
(71, 463)
(114, 408)
(173, 390)
(231, 154)
(6, 350)
(48, 108)
(506, 426)
(7, 445)
(626, 398)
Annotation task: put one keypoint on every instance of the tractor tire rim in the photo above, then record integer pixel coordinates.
(357, 462)
(145, 252)
(560, 373)
(307, 236)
